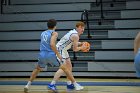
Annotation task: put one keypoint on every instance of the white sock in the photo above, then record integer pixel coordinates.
(75, 83)
(69, 82)
(28, 84)
(53, 82)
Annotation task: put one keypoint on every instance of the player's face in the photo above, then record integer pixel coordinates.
(81, 29)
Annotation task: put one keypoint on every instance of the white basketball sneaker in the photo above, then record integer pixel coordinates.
(26, 89)
(78, 87)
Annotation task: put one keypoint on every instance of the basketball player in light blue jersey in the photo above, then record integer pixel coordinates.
(49, 54)
(137, 54)
(70, 40)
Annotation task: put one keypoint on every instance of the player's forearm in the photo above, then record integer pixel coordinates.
(77, 49)
(79, 43)
(55, 49)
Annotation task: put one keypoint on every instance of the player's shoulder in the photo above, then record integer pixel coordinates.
(55, 33)
(74, 36)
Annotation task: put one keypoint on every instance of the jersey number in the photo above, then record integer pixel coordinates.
(45, 38)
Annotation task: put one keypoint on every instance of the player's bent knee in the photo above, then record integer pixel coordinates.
(39, 68)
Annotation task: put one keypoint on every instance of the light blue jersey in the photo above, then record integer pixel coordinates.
(47, 55)
(45, 41)
(137, 63)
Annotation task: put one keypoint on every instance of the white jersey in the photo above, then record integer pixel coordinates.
(65, 42)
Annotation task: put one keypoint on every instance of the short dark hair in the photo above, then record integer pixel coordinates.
(51, 23)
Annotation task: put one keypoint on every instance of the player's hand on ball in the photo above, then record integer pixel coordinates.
(85, 47)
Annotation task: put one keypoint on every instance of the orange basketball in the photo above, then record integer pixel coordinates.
(86, 46)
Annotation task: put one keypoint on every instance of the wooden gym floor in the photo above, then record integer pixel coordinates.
(16, 85)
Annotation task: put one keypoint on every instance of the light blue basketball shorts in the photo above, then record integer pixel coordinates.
(48, 58)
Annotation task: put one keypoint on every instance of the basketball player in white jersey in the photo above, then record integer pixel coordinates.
(49, 55)
(70, 40)
(137, 54)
